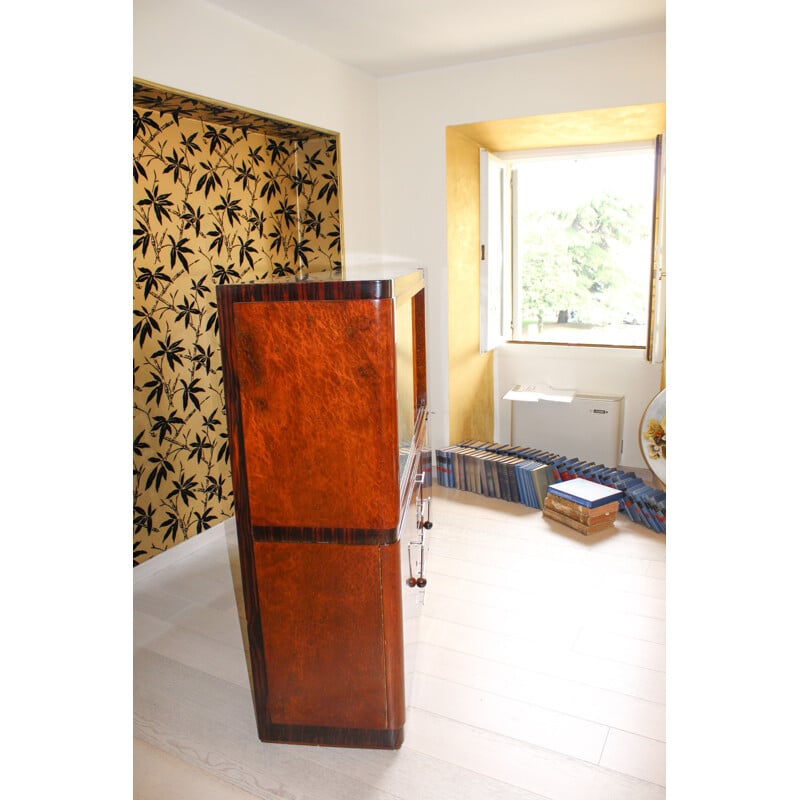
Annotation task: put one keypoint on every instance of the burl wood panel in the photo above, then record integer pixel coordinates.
(332, 632)
(319, 433)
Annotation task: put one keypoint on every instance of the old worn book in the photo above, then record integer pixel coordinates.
(582, 527)
(579, 512)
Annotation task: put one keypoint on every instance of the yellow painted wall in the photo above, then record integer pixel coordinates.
(595, 126)
(471, 373)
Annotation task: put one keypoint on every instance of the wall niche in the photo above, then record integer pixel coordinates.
(220, 195)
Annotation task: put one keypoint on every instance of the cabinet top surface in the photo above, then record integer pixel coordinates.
(367, 283)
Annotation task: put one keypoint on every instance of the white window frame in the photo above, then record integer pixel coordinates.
(500, 305)
(496, 266)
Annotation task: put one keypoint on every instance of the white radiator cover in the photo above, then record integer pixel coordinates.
(588, 428)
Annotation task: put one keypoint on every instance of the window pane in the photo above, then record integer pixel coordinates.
(584, 239)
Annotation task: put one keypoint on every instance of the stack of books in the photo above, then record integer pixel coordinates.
(583, 505)
(522, 475)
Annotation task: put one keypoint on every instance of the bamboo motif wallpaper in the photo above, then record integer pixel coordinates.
(219, 196)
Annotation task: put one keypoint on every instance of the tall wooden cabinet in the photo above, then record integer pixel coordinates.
(325, 390)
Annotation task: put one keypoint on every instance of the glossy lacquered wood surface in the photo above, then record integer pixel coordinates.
(325, 611)
(317, 394)
(310, 376)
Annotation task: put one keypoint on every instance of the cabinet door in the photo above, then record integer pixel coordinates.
(332, 631)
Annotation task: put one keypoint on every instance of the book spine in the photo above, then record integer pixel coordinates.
(530, 466)
(539, 479)
(444, 467)
(579, 512)
(512, 482)
(519, 474)
(502, 475)
(575, 525)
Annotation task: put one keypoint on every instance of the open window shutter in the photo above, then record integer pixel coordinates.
(655, 349)
(495, 255)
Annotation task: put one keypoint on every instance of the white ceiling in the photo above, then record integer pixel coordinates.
(391, 37)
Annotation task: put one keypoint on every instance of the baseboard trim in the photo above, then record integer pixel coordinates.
(181, 551)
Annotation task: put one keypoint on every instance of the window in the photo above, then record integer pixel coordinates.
(567, 252)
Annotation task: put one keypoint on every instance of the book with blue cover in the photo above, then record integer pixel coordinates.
(444, 467)
(522, 496)
(659, 506)
(496, 467)
(607, 475)
(555, 466)
(578, 468)
(638, 497)
(626, 482)
(502, 477)
(619, 477)
(585, 493)
(565, 469)
(488, 477)
(533, 468)
(629, 490)
(488, 474)
(496, 448)
(542, 476)
(591, 472)
(463, 471)
(473, 472)
(652, 501)
(520, 472)
(513, 489)
(441, 468)
(483, 472)
(627, 507)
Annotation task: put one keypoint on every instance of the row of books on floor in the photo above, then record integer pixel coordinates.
(523, 474)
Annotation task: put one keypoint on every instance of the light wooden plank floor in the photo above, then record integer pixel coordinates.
(540, 672)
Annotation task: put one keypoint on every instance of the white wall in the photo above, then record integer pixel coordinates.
(201, 49)
(416, 108)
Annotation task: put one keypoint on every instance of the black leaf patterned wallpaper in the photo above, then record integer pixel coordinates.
(220, 195)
